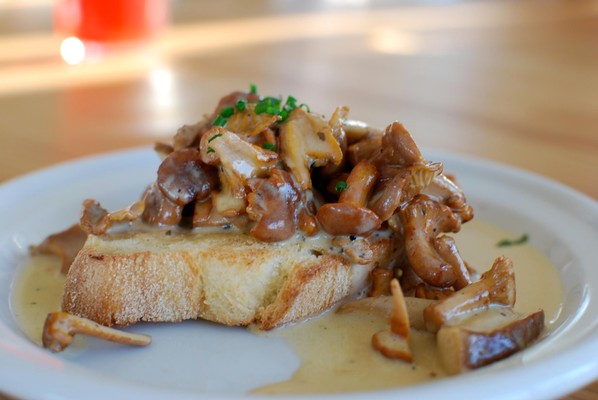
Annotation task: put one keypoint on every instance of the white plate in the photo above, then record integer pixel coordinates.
(196, 360)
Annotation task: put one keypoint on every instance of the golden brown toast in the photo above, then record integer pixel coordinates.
(217, 275)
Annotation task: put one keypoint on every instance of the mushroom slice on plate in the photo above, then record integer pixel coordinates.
(500, 333)
(495, 287)
(60, 329)
(394, 343)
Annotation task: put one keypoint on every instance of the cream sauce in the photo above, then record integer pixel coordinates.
(37, 292)
(335, 349)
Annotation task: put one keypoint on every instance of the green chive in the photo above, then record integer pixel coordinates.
(227, 112)
(220, 121)
(291, 102)
(340, 186)
(252, 88)
(269, 146)
(241, 105)
(305, 107)
(508, 242)
(210, 150)
(214, 137)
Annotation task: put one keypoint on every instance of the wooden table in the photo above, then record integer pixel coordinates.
(513, 82)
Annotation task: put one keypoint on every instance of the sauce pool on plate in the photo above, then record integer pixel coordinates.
(335, 349)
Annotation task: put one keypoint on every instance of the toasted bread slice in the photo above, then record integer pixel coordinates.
(226, 277)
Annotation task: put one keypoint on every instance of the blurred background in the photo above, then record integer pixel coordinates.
(509, 81)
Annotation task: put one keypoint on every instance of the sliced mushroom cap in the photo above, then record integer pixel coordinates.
(237, 157)
(307, 141)
(247, 122)
(463, 348)
(183, 177)
(336, 124)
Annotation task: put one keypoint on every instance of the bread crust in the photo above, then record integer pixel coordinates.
(225, 277)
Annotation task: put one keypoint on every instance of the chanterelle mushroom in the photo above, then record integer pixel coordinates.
(495, 287)
(272, 203)
(307, 141)
(183, 177)
(239, 160)
(424, 219)
(60, 329)
(350, 216)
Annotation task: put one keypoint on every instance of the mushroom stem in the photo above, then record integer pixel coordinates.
(60, 329)
(350, 216)
(394, 343)
(495, 287)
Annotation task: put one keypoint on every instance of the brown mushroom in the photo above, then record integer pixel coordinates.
(402, 185)
(336, 124)
(503, 333)
(158, 209)
(423, 220)
(358, 130)
(307, 141)
(350, 216)
(448, 192)
(60, 329)
(363, 149)
(398, 148)
(272, 203)
(188, 135)
(65, 244)
(495, 287)
(183, 177)
(447, 249)
(97, 220)
(238, 161)
(242, 159)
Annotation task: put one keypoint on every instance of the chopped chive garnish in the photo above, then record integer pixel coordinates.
(305, 107)
(227, 112)
(508, 242)
(214, 137)
(340, 186)
(241, 105)
(220, 121)
(269, 146)
(252, 88)
(210, 150)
